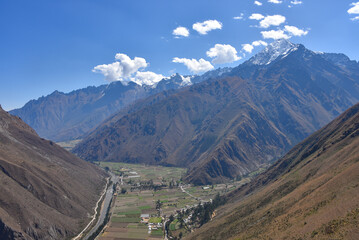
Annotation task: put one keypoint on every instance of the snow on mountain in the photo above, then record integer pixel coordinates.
(276, 49)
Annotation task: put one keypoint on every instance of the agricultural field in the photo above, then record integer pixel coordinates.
(143, 188)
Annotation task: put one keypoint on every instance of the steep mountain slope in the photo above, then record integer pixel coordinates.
(231, 125)
(67, 116)
(310, 193)
(46, 192)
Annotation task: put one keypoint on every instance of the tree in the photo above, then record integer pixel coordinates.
(158, 204)
(158, 207)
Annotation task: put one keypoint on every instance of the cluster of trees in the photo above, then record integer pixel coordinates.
(203, 212)
(158, 207)
(199, 215)
(123, 190)
(149, 185)
(145, 185)
(173, 184)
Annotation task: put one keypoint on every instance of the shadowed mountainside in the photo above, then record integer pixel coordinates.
(310, 193)
(233, 124)
(46, 192)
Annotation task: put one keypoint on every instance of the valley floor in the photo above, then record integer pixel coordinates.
(147, 196)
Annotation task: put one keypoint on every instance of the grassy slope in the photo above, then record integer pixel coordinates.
(312, 192)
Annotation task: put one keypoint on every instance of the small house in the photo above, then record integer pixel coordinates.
(145, 218)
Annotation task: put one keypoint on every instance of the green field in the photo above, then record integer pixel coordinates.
(147, 172)
(125, 220)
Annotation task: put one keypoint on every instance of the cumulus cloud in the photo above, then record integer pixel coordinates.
(354, 9)
(355, 18)
(274, 34)
(206, 26)
(258, 3)
(275, 1)
(273, 20)
(256, 16)
(148, 78)
(239, 17)
(259, 42)
(247, 47)
(223, 53)
(125, 69)
(194, 65)
(295, 31)
(122, 69)
(180, 32)
(128, 65)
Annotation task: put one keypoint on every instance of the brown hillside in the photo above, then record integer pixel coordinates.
(311, 193)
(46, 192)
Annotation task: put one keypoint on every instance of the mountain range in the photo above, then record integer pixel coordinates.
(225, 124)
(310, 193)
(68, 116)
(46, 192)
(233, 124)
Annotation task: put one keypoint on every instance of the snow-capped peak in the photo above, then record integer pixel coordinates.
(278, 48)
(186, 81)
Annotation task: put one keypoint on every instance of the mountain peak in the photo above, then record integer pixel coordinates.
(280, 47)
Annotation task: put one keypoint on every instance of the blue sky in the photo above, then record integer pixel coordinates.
(48, 45)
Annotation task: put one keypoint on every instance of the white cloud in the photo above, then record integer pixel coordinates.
(148, 78)
(295, 31)
(180, 32)
(247, 47)
(275, 1)
(130, 66)
(274, 20)
(274, 34)
(256, 16)
(259, 42)
(206, 26)
(239, 17)
(355, 18)
(112, 71)
(194, 65)
(223, 53)
(296, 2)
(125, 69)
(121, 69)
(354, 9)
(267, 21)
(258, 3)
